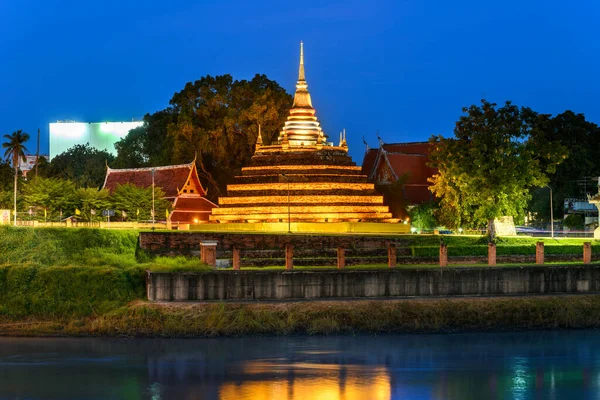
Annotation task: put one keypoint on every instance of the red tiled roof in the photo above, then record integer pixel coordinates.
(409, 159)
(369, 161)
(409, 148)
(372, 155)
(170, 178)
(414, 165)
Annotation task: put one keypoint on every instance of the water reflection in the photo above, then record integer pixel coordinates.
(550, 365)
(309, 381)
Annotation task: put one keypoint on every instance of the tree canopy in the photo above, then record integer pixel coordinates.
(487, 170)
(15, 147)
(54, 195)
(573, 177)
(136, 202)
(215, 120)
(149, 145)
(7, 174)
(15, 150)
(91, 202)
(82, 164)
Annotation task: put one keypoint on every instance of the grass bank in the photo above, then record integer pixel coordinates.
(59, 272)
(57, 281)
(141, 319)
(428, 246)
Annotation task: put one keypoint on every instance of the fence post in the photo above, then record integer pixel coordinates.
(391, 255)
(236, 258)
(443, 255)
(289, 257)
(587, 252)
(491, 253)
(208, 252)
(341, 258)
(539, 253)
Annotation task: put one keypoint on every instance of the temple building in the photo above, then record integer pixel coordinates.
(181, 186)
(406, 163)
(302, 177)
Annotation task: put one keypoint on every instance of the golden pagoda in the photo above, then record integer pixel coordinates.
(302, 177)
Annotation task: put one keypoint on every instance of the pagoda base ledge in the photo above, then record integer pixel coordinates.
(306, 227)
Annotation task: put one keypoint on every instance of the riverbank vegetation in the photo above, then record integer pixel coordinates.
(70, 281)
(141, 319)
(74, 272)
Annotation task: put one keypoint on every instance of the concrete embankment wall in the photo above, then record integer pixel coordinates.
(281, 285)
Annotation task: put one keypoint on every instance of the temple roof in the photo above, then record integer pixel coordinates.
(373, 156)
(171, 179)
(302, 127)
(393, 161)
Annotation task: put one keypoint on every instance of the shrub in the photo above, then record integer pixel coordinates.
(67, 291)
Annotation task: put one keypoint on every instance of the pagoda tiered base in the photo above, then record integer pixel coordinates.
(305, 227)
(301, 184)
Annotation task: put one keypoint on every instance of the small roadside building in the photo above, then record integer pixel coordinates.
(181, 186)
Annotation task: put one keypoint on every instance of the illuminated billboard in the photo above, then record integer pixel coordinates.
(101, 135)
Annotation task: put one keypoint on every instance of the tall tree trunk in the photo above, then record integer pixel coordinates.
(15, 161)
(491, 230)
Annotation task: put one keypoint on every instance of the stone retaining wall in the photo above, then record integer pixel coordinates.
(457, 281)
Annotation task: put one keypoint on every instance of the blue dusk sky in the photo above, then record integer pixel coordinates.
(403, 68)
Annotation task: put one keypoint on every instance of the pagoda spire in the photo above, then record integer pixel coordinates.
(302, 127)
(302, 97)
(301, 76)
(259, 140)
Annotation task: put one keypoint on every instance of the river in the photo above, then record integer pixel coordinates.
(524, 365)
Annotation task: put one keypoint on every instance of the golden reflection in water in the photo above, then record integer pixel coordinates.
(309, 381)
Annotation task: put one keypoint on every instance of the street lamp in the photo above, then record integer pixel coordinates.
(551, 214)
(288, 203)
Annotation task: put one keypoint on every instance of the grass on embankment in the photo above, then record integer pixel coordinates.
(324, 317)
(428, 246)
(91, 282)
(58, 272)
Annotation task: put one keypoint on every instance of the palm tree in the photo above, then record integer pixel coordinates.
(15, 149)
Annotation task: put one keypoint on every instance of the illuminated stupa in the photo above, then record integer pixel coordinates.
(302, 177)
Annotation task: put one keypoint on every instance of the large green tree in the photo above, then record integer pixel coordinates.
(52, 197)
(136, 202)
(422, 217)
(91, 202)
(6, 185)
(82, 164)
(573, 176)
(15, 150)
(6, 175)
(149, 144)
(214, 120)
(488, 168)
